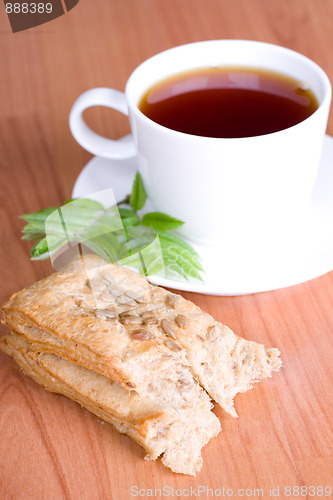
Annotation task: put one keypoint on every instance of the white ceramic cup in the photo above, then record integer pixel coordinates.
(228, 191)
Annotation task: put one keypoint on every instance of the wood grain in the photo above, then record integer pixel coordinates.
(50, 448)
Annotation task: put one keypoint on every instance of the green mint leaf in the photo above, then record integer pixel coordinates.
(35, 227)
(130, 221)
(77, 214)
(31, 235)
(41, 215)
(45, 247)
(122, 244)
(179, 257)
(138, 195)
(84, 205)
(116, 234)
(107, 246)
(94, 221)
(173, 270)
(160, 221)
(128, 217)
(172, 241)
(148, 261)
(178, 264)
(136, 238)
(126, 212)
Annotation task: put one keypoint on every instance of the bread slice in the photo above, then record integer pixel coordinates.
(111, 320)
(176, 428)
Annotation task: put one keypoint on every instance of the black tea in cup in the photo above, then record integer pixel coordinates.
(228, 102)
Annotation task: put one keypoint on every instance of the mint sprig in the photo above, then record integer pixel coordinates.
(118, 234)
(138, 196)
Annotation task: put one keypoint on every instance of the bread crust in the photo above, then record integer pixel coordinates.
(63, 314)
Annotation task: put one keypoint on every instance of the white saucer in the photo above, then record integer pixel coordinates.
(304, 251)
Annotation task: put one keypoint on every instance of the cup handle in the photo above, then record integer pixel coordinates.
(87, 138)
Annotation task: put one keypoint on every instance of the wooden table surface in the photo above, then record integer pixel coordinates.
(50, 448)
